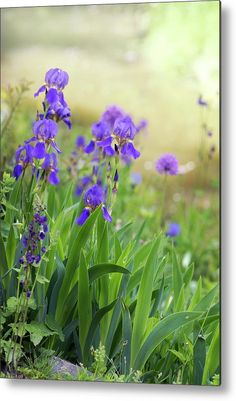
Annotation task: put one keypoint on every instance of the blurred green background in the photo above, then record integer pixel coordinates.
(154, 60)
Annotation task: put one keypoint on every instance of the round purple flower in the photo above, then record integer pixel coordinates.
(56, 77)
(173, 230)
(167, 164)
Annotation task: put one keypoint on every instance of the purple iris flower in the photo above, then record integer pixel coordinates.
(55, 104)
(58, 106)
(128, 149)
(100, 130)
(94, 197)
(50, 166)
(39, 150)
(45, 130)
(111, 114)
(173, 230)
(124, 128)
(24, 157)
(56, 77)
(167, 164)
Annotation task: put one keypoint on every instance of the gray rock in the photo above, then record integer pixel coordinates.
(62, 367)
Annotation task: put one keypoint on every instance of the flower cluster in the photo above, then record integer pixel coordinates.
(32, 240)
(114, 134)
(167, 164)
(93, 198)
(38, 150)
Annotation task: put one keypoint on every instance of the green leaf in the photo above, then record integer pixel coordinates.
(144, 300)
(178, 354)
(73, 258)
(102, 240)
(177, 279)
(55, 285)
(3, 258)
(161, 331)
(93, 327)
(53, 325)
(197, 295)
(99, 270)
(212, 358)
(84, 301)
(188, 275)
(11, 247)
(199, 357)
(42, 279)
(158, 298)
(12, 304)
(38, 331)
(126, 338)
(180, 302)
(207, 300)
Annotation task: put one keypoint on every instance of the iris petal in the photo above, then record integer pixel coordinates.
(41, 89)
(90, 147)
(53, 178)
(17, 171)
(106, 215)
(39, 151)
(83, 217)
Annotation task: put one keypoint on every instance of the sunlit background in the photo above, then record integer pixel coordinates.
(154, 60)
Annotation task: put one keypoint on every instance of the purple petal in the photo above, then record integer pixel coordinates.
(106, 215)
(83, 217)
(17, 171)
(46, 163)
(41, 89)
(90, 147)
(109, 151)
(105, 142)
(67, 122)
(52, 96)
(53, 178)
(80, 141)
(39, 151)
(129, 150)
(54, 145)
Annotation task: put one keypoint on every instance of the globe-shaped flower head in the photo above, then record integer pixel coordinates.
(173, 230)
(167, 164)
